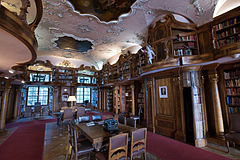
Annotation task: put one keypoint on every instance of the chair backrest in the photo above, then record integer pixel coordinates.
(70, 134)
(138, 141)
(122, 119)
(75, 148)
(96, 117)
(235, 122)
(80, 111)
(84, 119)
(118, 147)
(64, 107)
(67, 114)
(131, 122)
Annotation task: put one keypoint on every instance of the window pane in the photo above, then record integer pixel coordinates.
(43, 95)
(87, 80)
(79, 95)
(94, 80)
(32, 96)
(44, 77)
(87, 93)
(33, 77)
(82, 79)
(94, 97)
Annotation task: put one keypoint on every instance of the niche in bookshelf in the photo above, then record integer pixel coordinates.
(185, 44)
(232, 85)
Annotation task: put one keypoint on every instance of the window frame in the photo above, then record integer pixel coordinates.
(83, 94)
(38, 88)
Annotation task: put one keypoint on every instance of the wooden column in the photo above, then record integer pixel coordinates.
(218, 118)
(192, 79)
(4, 107)
(154, 103)
(146, 102)
(180, 114)
(104, 108)
(99, 98)
(116, 98)
(17, 102)
(55, 100)
(133, 99)
(122, 99)
(198, 111)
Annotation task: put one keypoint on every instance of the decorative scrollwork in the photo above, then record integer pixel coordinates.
(23, 10)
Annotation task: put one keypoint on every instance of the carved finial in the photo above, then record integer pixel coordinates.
(23, 12)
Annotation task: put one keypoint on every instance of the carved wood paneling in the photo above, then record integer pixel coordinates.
(165, 119)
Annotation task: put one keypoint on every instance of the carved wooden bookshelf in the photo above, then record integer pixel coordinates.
(172, 39)
(232, 85)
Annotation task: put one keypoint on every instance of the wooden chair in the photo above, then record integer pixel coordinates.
(81, 138)
(122, 119)
(118, 148)
(138, 142)
(234, 132)
(70, 139)
(67, 115)
(82, 148)
(80, 111)
(131, 122)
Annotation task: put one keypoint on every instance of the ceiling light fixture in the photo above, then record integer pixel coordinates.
(22, 81)
(6, 77)
(11, 71)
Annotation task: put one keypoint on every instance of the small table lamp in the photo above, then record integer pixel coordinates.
(72, 99)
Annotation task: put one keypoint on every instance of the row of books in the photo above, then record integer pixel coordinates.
(182, 52)
(229, 32)
(231, 75)
(233, 101)
(227, 23)
(232, 83)
(187, 38)
(233, 91)
(234, 109)
(228, 40)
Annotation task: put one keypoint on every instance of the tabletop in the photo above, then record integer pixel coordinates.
(97, 133)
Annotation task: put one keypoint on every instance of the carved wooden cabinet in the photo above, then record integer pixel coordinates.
(173, 36)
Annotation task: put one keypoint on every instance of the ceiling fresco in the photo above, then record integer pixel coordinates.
(105, 10)
(71, 44)
(108, 32)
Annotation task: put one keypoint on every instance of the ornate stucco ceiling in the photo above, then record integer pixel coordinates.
(109, 39)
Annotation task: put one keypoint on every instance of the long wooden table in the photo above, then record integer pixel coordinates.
(97, 134)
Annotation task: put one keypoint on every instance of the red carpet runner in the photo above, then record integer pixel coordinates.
(26, 143)
(169, 149)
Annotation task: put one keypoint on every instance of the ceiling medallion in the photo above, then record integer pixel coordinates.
(105, 10)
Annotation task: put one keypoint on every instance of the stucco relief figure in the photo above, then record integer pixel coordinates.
(150, 53)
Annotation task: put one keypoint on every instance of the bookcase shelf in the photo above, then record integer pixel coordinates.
(232, 85)
(110, 99)
(226, 32)
(185, 44)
